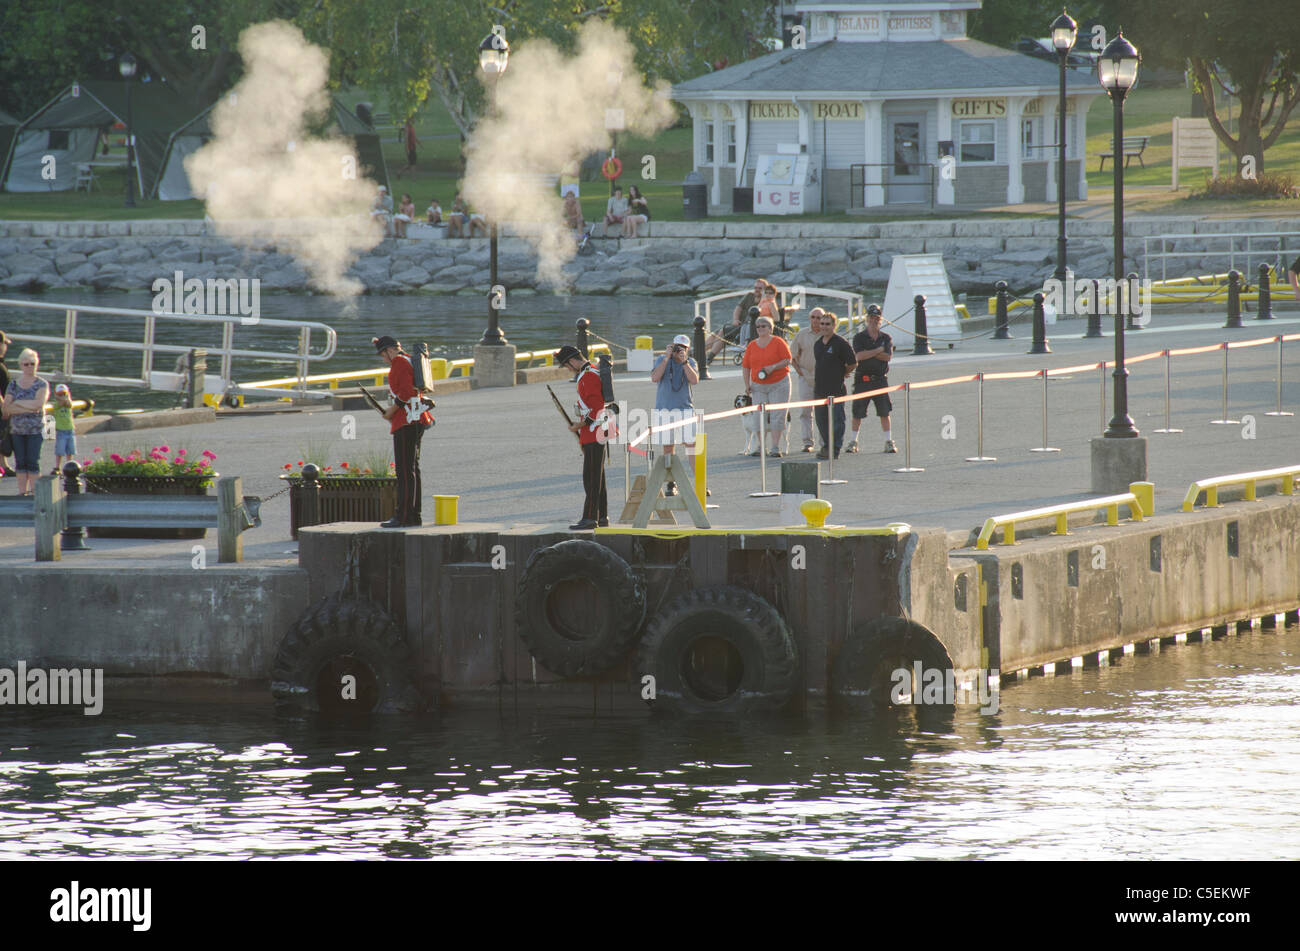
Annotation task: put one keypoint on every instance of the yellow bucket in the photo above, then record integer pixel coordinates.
(445, 509)
(644, 343)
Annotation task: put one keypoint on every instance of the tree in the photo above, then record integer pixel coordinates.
(1248, 48)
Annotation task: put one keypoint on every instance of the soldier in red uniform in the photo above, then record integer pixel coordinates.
(408, 419)
(590, 427)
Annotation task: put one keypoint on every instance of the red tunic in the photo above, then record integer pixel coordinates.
(591, 401)
(401, 383)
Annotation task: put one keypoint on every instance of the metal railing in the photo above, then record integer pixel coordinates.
(1277, 248)
(147, 346)
(1247, 480)
(1061, 513)
(853, 304)
(858, 184)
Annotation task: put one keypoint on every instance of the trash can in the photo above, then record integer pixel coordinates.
(695, 197)
(742, 201)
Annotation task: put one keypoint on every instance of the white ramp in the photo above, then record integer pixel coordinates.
(913, 274)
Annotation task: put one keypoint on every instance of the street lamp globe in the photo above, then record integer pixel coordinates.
(1064, 33)
(493, 54)
(126, 65)
(1118, 67)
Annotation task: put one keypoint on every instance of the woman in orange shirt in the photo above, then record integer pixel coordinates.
(766, 369)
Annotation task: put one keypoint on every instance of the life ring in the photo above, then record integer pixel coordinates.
(579, 607)
(864, 677)
(612, 168)
(344, 656)
(718, 650)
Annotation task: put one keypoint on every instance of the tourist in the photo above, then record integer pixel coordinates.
(835, 361)
(1293, 275)
(458, 218)
(732, 333)
(589, 426)
(766, 369)
(6, 442)
(873, 348)
(408, 418)
(405, 215)
(24, 406)
(615, 210)
(433, 215)
(638, 212)
(383, 208)
(408, 133)
(675, 373)
(805, 368)
(573, 219)
(65, 430)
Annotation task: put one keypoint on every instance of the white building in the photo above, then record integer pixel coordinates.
(880, 93)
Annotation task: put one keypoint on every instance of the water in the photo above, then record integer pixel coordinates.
(1193, 753)
(451, 325)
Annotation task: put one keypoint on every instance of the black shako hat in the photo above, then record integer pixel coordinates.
(567, 353)
(384, 342)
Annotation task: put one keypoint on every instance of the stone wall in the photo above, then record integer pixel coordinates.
(675, 257)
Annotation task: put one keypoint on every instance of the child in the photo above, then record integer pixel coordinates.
(65, 432)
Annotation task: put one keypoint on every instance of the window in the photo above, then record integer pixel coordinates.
(977, 142)
(731, 143)
(1027, 142)
(59, 140)
(708, 143)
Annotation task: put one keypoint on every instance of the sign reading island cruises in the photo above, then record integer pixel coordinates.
(873, 96)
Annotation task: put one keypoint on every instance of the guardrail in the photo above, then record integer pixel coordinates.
(1241, 246)
(147, 346)
(1139, 501)
(51, 510)
(1248, 480)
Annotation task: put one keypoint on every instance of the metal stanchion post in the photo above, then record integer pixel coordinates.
(1279, 411)
(762, 455)
(907, 431)
(922, 345)
(627, 471)
(701, 357)
(1003, 331)
(582, 324)
(1223, 420)
(1040, 327)
(831, 452)
(979, 426)
(1168, 427)
(1044, 447)
(1103, 396)
(1265, 293)
(1094, 313)
(1234, 300)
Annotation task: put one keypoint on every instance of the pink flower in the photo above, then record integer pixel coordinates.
(180, 452)
(344, 465)
(209, 454)
(164, 449)
(97, 449)
(288, 465)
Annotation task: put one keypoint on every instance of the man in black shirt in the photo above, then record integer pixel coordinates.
(835, 361)
(1293, 275)
(873, 348)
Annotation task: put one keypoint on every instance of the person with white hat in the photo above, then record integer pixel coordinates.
(676, 373)
(65, 430)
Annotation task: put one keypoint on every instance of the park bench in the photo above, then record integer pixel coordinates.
(1133, 147)
(51, 510)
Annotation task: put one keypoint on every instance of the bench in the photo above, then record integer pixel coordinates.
(50, 510)
(1133, 147)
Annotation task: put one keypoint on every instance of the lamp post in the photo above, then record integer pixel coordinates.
(493, 54)
(1117, 69)
(1064, 31)
(127, 66)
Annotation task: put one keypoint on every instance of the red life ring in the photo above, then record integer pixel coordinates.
(612, 168)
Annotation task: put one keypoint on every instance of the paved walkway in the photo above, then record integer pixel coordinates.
(508, 457)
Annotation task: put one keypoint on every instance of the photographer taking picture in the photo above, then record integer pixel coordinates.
(676, 373)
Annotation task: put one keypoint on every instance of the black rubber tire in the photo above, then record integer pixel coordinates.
(749, 626)
(571, 646)
(338, 636)
(862, 676)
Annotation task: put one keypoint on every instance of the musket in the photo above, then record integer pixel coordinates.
(372, 401)
(563, 412)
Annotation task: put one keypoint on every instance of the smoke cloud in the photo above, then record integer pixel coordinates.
(549, 113)
(264, 175)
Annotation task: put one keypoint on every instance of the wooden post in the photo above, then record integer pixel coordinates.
(230, 542)
(51, 517)
(198, 368)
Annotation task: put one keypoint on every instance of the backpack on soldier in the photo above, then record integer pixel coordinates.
(421, 370)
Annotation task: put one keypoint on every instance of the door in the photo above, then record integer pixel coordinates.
(908, 178)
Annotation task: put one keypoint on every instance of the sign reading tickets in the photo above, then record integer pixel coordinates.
(979, 108)
(773, 110)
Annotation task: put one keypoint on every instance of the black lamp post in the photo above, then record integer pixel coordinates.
(126, 66)
(1064, 31)
(493, 54)
(1117, 69)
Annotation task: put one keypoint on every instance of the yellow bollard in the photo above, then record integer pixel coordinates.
(438, 367)
(445, 509)
(701, 468)
(644, 343)
(816, 511)
(1146, 496)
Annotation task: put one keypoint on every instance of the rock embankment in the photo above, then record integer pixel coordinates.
(676, 258)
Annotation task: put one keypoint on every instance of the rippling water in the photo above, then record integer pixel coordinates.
(1191, 753)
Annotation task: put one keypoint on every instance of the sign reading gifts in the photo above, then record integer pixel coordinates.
(979, 108)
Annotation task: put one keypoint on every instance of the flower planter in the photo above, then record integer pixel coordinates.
(149, 485)
(346, 499)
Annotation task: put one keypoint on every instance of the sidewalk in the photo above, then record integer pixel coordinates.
(511, 461)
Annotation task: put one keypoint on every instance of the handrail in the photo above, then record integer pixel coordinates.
(1287, 242)
(1061, 513)
(1248, 479)
(147, 347)
(857, 309)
